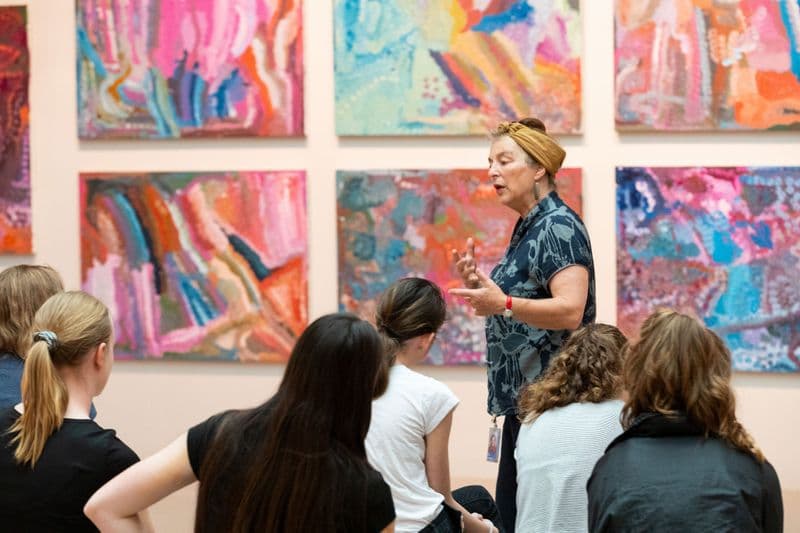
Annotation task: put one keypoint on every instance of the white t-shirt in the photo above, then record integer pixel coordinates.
(555, 457)
(412, 406)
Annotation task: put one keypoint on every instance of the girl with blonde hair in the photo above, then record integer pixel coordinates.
(684, 462)
(52, 455)
(568, 418)
(23, 289)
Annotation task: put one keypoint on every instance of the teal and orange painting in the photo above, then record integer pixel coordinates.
(722, 243)
(398, 223)
(458, 67)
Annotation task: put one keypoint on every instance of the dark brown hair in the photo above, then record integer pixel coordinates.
(587, 369)
(281, 466)
(409, 308)
(680, 366)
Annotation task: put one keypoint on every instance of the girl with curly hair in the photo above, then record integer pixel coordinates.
(568, 418)
(684, 462)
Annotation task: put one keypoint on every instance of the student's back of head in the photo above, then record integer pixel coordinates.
(684, 462)
(680, 366)
(587, 369)
(52, 455)
(408, 308)
(69, 329)
(23, 289)
(289, 464)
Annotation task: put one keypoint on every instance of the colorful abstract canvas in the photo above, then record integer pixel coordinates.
(428, 67)
(15, 181)
(722, 243)
(204, 68)
(200, 266)
(685, 65)
(393, 224)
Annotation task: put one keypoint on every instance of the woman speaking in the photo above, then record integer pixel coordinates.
(541, 289)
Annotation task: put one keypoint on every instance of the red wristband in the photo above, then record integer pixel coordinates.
(508, 313)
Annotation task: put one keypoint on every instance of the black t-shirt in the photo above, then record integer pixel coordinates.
(78, 459)
(379, 504)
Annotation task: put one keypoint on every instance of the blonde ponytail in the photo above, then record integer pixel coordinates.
(44, 396)
(68, 326)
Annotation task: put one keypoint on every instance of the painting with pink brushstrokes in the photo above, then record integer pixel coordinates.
(687, 65)
(398, 223)
(15, 180)
(198, 266)
(722, 243)
(427, 67)
(205, 68)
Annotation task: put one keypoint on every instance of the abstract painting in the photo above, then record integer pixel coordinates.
(398, 223)
(15, 181)
(200, 266)
(428, 67)
(202, 68)
(720, 242)
(686, 65)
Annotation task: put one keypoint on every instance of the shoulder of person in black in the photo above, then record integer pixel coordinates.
(77, 459)
(654, 440)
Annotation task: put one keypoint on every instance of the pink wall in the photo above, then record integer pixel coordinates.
(152, 403)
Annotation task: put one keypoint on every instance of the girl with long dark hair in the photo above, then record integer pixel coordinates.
(295, 463)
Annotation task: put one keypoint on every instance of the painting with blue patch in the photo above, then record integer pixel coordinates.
(416, 67)
(398, 223)
(198, 266)
(720, 242)
(153, 69)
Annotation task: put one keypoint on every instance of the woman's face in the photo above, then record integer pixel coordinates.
(513, 178)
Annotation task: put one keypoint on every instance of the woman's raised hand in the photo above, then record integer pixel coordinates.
(466, 266)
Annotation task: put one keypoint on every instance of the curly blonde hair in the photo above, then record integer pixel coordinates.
(587, 369)
(680, 366)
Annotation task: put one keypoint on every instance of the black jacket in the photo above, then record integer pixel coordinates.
(662, 474)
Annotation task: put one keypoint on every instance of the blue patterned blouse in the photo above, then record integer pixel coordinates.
(549, 239)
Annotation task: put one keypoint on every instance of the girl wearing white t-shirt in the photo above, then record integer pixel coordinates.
(410, 428)
(569, 417)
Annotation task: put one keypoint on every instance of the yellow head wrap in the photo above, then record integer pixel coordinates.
(536, 143)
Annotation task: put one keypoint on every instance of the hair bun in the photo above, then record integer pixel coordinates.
(533, 123)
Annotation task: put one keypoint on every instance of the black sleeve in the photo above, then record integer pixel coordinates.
(773, 502)
(118, 457)
(199, 438)
(380, 506)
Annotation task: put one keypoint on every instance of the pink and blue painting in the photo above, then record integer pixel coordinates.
(398, 223)
(15, 180)
(722, 243)
(199, 68)
(198, 266)
(686, 65)
(427, 67)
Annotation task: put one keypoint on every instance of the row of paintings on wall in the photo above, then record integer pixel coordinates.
(208, 68)
(213, 266)
(410, 67)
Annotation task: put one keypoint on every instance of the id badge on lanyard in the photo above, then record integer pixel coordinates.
(493, 451)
